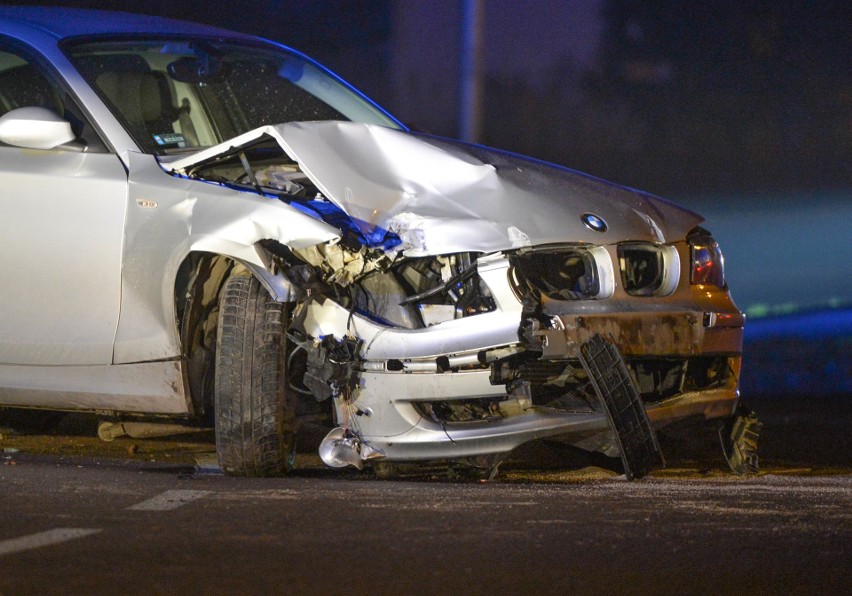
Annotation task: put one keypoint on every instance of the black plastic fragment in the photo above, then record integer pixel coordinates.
(637, 441)
(739, 436)
(331, 365)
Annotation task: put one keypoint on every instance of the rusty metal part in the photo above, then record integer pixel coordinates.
(673, 334)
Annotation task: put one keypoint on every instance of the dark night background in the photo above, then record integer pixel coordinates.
(741, 110)
(676, 97)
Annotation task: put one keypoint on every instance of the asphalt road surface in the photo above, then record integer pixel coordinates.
(152, 517)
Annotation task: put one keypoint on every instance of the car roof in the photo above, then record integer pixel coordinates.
(71, 22)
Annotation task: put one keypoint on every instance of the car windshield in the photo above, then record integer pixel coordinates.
(177, 94)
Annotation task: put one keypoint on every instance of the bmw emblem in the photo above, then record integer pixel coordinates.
(593, 222)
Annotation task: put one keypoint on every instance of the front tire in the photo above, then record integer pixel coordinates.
(255, 421)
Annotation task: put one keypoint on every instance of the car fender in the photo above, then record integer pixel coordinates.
(168, 217)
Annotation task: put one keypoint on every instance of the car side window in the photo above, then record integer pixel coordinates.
(25, 83)
(22, 85)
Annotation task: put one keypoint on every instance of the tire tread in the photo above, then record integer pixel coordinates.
(254, 421)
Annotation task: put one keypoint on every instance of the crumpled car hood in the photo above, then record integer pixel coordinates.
(442, 196)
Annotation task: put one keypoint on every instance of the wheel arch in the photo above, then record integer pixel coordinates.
(198, 285)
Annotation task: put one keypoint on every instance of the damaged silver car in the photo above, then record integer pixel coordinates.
(201, 227)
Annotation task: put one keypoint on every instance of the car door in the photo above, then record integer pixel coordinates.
(61, 231)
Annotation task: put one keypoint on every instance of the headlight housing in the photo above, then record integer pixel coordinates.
(707, 262)
(568, 272)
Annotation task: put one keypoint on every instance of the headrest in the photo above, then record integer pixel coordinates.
(139, 96)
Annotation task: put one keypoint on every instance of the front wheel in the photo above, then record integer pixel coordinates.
(255, 421)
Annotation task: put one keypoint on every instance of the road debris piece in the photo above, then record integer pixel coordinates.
(109, 431)
(739, 437)
(636, 439)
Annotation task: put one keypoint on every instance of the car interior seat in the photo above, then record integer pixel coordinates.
(142, 97)
(144, 100)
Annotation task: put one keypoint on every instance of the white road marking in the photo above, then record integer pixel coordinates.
(171, 499)
(46, 538)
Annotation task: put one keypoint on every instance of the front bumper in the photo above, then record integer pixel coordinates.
(456, 361)
(425, 439)
(385, 415)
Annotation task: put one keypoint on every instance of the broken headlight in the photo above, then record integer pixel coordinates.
(642, 268)
(559, 273)
(708, 264)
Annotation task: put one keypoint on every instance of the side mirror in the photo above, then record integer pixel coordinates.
(35, 128)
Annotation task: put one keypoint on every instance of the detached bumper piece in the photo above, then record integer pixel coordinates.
(637, 442)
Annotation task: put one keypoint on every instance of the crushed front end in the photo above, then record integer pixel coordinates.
(447, 320)
(508, 370)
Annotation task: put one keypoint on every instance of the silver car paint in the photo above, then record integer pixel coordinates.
(61, 240)
(35, 128)
(80, 249)
(155, 387)
(442, 197)
(169, 217)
